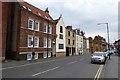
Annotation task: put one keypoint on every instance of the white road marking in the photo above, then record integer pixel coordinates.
(30, 64)
(100, 71)
(97, 73)
(72, 62)
(45, 71)
(33, 64)
(97, 76)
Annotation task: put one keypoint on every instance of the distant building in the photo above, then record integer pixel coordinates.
(70, 41)
(81, 42)
(97, 44)
(85, 45)
(60, 40)
(78, 41)
(91, 44)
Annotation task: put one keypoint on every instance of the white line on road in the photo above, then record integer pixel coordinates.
(45, 71)
(33, 64)
(100, 71)
(97, 76)
(72, 62)
(30, 64)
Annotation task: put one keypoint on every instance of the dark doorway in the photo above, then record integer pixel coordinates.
(73, 51)
(67, 51)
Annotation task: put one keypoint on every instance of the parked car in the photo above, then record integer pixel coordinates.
(99, 57)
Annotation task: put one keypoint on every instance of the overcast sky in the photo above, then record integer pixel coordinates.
(85, 14)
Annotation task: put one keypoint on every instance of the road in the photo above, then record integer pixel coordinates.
(67, 67)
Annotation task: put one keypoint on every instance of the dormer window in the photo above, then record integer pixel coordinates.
(24, 7)
(29, 9)
(39, 14)
(46, 17)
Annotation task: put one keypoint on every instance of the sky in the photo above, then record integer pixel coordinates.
(85, 14)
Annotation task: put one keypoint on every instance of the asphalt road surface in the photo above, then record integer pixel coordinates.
(67, 67)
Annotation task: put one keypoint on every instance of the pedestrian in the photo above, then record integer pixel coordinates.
(109, 54)
(33, 55)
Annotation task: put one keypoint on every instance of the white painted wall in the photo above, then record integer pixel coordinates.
(81, 43)
(60, 41)
(78, 44)
(87, 44)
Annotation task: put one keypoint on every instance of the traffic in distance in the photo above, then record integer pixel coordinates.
(101, 57)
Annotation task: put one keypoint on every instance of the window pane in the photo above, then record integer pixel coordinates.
(73, 42)
(68, 41)
(45, 42)
(61, 29)
(36, 42)
(61, 46)
(73, 34)
(37, 25)
(60, 36)
(45, 28)
(49, 43)
(30, 24)
(49, 29)
(68, 33)
(30, 41)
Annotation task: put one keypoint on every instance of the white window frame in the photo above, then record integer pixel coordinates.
(49, 43)
(31, 40)
(37, 41)
(45, 30)
(32, 24)
(45, 42)
(37, 26)
(50, 26)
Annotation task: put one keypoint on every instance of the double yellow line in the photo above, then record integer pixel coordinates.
(97, 76)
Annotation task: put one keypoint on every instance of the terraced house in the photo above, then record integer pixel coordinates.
(29, 30)
(60, 40)
(70, 41)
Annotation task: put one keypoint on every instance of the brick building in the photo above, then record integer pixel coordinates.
(90, 44)
(60, 40)
(5, 8)
(29, 30)
(97, 44)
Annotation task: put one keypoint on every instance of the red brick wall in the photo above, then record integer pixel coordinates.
(5, 7)
(24, 31)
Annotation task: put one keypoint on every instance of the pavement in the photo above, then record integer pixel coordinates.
(73, 67)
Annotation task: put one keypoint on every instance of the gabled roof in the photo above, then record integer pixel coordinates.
(36, 10)
(57, 20)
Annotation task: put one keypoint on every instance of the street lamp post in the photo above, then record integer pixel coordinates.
(107, 31)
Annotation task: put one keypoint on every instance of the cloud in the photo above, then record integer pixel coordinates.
(85, 14)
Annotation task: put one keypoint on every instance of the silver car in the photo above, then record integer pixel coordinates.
(99, 57)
